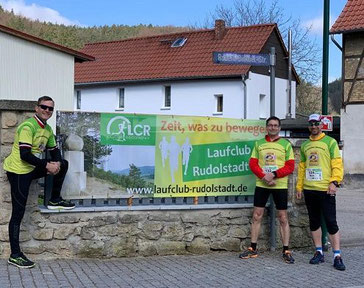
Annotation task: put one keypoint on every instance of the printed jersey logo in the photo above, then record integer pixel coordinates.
(270, 159)
(313, 159)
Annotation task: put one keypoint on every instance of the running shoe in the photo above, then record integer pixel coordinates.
(317, 258)
(61, 204)
(338, 263)
(287, 257)
(21, 261)
(249, 253)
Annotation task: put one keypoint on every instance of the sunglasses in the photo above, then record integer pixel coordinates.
(45, 107)
(314, 124)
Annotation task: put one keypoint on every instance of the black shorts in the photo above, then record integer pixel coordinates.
(320, 203)
(280, 197)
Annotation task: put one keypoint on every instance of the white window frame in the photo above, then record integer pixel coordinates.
(219, 104)
(120, 103)
(78, 100)
(167, 88)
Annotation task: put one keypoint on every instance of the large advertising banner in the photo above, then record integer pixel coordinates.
(170, 156)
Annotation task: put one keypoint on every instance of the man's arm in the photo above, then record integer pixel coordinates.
(27, 156)
(255, 168)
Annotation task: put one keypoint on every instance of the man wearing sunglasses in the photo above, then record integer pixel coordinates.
(33, 137)
(319, 173)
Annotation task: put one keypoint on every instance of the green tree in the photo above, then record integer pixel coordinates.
(334, 93)
(136, 180)
(94, 152)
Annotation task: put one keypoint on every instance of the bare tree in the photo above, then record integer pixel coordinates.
(305, 53)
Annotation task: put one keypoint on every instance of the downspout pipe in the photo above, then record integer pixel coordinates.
(244, 77)
(289, 102)
(336, 43)
(325, 57)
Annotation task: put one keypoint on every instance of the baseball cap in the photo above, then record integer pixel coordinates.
(314, 117)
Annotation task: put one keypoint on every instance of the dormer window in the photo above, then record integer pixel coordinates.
(179, 42)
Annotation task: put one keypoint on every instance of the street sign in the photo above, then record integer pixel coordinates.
(241, 58)
(328, 122)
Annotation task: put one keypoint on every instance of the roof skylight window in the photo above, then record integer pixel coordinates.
(179, 42)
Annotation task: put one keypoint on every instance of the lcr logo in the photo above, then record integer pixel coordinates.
(125, 128)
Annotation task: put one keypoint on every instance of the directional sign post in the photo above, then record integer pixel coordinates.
(231, 58)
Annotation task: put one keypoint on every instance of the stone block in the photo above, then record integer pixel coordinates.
(63, 232)
(147, 248)
(5, 152)
(121, 247)
(151, 230)
(87, 233)
(227, 244)
(90, 249)
(4, 216)
(4, 234)
(102, 220)
(43, 234)
(239, 231)
(131, 218)
(7, 136)
(173, 231)
(199, 246)
(170, 248)
(9, 119)
(64, 219)
(76, 161)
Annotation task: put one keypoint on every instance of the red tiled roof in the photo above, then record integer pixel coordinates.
(351, 18)
(153, 57)
(79, 56)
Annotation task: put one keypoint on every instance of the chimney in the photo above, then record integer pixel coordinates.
(219, 29)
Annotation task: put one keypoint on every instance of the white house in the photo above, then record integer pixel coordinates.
(175, 74)
(31, 67)
(350, 24)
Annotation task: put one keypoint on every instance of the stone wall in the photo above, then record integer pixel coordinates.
(131, 233)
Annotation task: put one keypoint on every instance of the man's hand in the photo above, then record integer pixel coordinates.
(53, 167)
(332, 189)
(268, 178)
(298, 194)
(271, 183)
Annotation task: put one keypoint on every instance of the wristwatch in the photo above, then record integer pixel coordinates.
(335, 183)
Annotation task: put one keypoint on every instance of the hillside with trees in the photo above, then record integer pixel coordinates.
(76, 37)
(305, 52)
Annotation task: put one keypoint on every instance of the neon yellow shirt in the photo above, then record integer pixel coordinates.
(320, 164)
(272, 156)
(31, 133)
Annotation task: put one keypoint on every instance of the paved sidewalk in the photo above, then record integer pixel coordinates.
(213, 270)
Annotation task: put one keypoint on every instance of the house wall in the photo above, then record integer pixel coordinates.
(195, 98)
(352, 117)
(29, 70)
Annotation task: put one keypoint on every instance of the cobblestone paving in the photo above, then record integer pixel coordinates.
(212, 270)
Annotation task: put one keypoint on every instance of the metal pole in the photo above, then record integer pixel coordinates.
(272, 80)
(325, 56)
(272, 211)
(289, 106)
